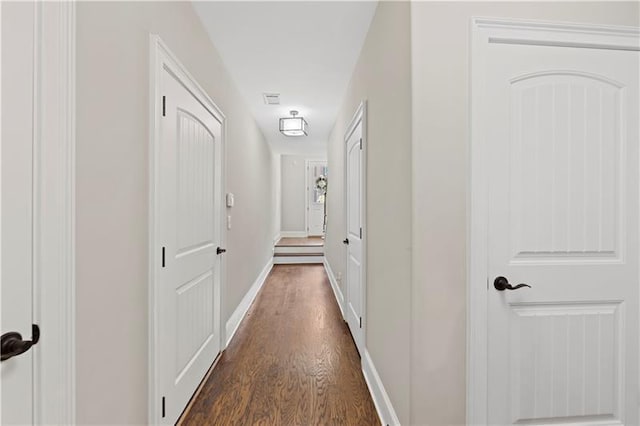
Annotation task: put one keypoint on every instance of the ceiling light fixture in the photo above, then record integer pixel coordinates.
(293, 126)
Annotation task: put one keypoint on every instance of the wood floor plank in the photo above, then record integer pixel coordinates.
(291, 362)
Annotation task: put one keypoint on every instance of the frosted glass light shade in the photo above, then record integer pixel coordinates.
(293, 126)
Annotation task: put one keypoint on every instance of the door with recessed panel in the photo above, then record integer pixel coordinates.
(316, 193)
(562, 291)
(189, 179)
(354, 241)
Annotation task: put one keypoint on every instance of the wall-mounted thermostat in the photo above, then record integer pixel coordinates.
(229, 199)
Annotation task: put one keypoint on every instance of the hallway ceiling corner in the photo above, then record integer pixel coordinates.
(304, 51)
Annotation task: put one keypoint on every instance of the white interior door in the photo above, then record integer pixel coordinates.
(190, 176)
(16, 376)
(562, 164)
(355, 212)
(315, 198)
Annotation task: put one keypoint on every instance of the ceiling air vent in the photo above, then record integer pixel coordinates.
(271, 98)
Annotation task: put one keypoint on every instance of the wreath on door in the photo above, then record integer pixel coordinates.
(321, 184)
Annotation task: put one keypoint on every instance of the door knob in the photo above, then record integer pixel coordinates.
(11, 343)
(345, 241)
(220, 250)
(502, 284)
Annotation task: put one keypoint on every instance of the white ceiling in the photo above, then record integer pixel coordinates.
(306, 51)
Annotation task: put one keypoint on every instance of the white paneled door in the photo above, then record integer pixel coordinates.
(16, 375)
(190, 194)
(354, 241)
(562, 167)
(315, 197)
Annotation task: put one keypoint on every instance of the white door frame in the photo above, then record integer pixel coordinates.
(307, 185)
(54, 212)
(54, 195)
(486, 31)
(162, 58)
(360, 116)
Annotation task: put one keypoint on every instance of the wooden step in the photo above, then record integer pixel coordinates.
(300, 242)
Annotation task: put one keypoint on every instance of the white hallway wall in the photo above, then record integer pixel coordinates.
(294, 191)
(112, 194)
(382, 76)
(440, 122)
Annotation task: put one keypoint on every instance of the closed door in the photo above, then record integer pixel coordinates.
(16, 373)
(562, 163)
(189, 233)
(355, 211)
(316, 186)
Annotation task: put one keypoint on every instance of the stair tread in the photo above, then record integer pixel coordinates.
(300, 242)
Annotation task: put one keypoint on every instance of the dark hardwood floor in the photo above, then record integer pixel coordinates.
(291, 362)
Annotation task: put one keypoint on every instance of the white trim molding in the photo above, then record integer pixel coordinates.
(161, 58)
(241, 310)
(54, 212)
(485, 32)
(378, 393)
(334, 286)
(565, 34)
(306, 196)
(296, 260)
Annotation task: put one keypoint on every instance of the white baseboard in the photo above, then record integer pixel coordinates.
(334, 286)
(276, 238)
(292, 260)
(310, 250)
(380, 398)
(293, 234)
(237, 316)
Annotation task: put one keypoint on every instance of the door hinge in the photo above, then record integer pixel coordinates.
(164, 106)
(163, 408)
(360, 322)
(360, 232)
(163, 256)
(360, 143)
